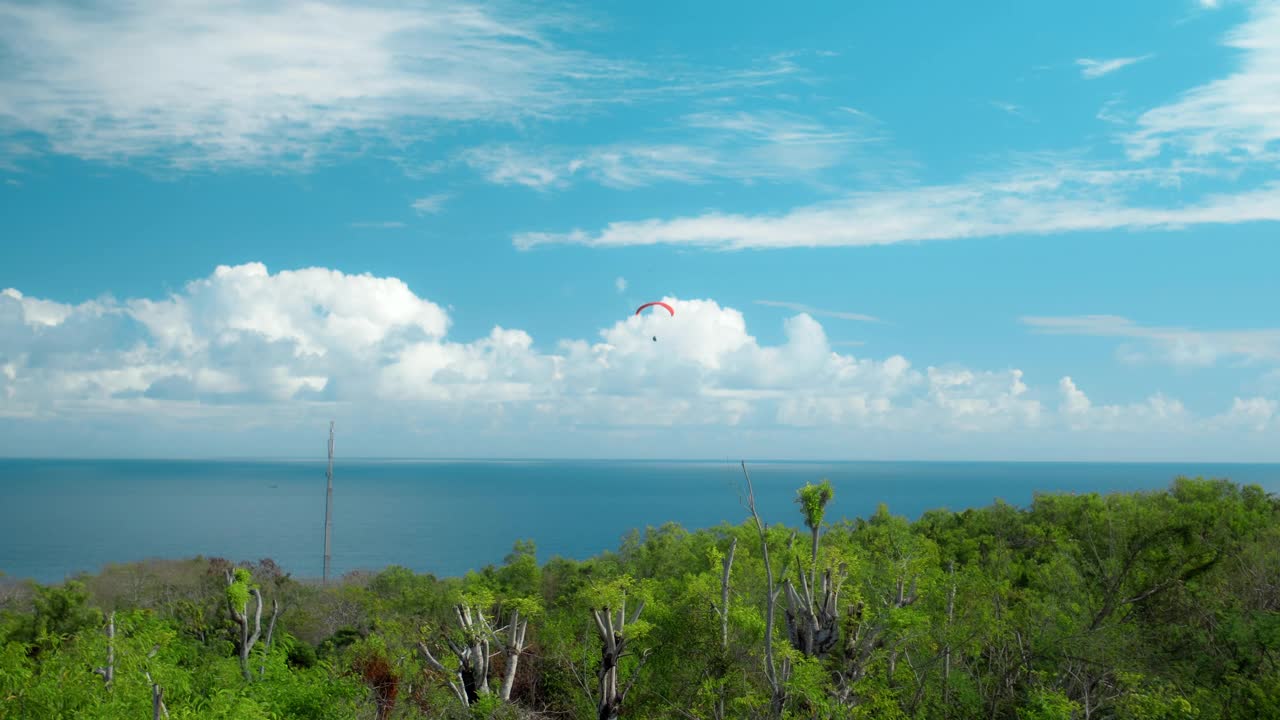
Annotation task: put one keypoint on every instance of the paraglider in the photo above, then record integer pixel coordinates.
(657, 304)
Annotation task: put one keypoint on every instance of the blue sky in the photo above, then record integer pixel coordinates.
(890, 231)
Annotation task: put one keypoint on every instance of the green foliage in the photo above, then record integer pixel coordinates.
(1147, 701)
(1047, 704)
(300, 654)
(813, 500)
(1147, 606)
(238, 590)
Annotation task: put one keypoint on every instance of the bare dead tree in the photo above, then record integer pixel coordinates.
(813, 626)
(777, 676)
(271, 629)
(108, 672)
(862, 639)
(613, 648)
(946, 653)
(471, 680)
(459, 685)
(722, 610)
(328, 508)
(512, 645)
(158, 708)
(241, 617)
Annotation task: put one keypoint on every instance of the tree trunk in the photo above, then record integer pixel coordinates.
(723, 611)
(946, 653)
(473, 654)
(240, 616)
(271, 629)
(458, 689)
(157, 691)
(813, 560)
(511, 651)
(108, 673)
(777, 680)
(613, 643)
(475, 673)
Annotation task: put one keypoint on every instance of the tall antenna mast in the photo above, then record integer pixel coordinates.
(328, 507)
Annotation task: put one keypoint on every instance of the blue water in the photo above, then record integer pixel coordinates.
(58, 517)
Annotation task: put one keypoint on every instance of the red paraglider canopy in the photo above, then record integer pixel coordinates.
(659, 304)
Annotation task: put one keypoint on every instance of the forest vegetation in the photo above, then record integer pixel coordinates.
(1130, 606)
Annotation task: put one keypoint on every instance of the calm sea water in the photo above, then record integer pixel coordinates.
(58, 517)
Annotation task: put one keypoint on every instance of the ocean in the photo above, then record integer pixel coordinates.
(59, 517)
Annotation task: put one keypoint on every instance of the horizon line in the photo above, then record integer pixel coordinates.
(412, 458)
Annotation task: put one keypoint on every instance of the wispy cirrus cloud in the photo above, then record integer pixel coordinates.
(1027, 203)
(251, 83)
(1173, 345)
(1012, 109)
(1091, 68)
(801, 307)
(430, 204)
(1237, 115)
(618, 166)
(194, 86)
(723, 145)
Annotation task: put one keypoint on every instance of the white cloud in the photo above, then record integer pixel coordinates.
(506, 165)
(740, 146)
(247, 348)
(1012, 109)
(1238, 114)
(431, 204)
(286, 84)
(1020, 204)
(36, 311)
(1156, 414)
(620, 284)
(1256, 414)
(254, 83)
(1074, 402)
(801, 307)
(618, 166)
(12, 153)
(1173, 345)
(1091, 68)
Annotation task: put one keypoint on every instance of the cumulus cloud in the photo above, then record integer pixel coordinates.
(1155, 415)
(1256, 414)
(294, 342)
